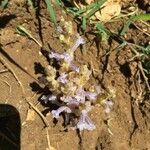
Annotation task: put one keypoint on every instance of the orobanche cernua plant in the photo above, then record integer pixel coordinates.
(68, 88)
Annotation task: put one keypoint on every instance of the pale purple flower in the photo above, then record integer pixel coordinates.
(78, 42)
(50, 98)
(63, 78)
(67, 57)
(85, 122)
(69, 100)
(57, 56)
(73, 102)
(61, 109)
(64, 56)
(75, 68)
(80, 95)
(108, 106)
(91, 95)
(66, 98)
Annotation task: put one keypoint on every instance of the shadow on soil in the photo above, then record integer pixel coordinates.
(9, 128)
(4, 20)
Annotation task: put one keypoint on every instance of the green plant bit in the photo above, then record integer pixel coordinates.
(146, 59)
(22, 31)
(141, 67)
(117, 48)
(78, 12)
(81, 11)
(91, 9)
(57, 2)
(143, 17)
(4, 4)
(51, 12)
(83, 24)
(95, 9)
(102, 31)
(30, 3)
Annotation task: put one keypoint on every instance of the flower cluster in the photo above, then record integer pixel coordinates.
(68, 86)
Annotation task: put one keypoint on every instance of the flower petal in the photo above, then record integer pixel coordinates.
(73, 102)
(61, 109)
(68, 58)
(75, 68)
(108, 106)
(49, 98)
(78, 42)
(57, 56)
(91, 95)
(80, 95)
(63, 78)
(85, 122)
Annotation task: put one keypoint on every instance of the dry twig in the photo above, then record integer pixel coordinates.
(12, 71)
(143, 74)
(4, 70)
(141, 30)
(145, 23)
(43, 119)
(140, 67)
(140, 92)
(48, 140)
(39, 113)
(10, 90)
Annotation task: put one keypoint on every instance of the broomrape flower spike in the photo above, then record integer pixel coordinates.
(68, 88)
(85, 122)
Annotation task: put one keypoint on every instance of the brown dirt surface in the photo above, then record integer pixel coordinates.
(127, 127)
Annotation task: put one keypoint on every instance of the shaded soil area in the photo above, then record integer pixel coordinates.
(126, 127)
